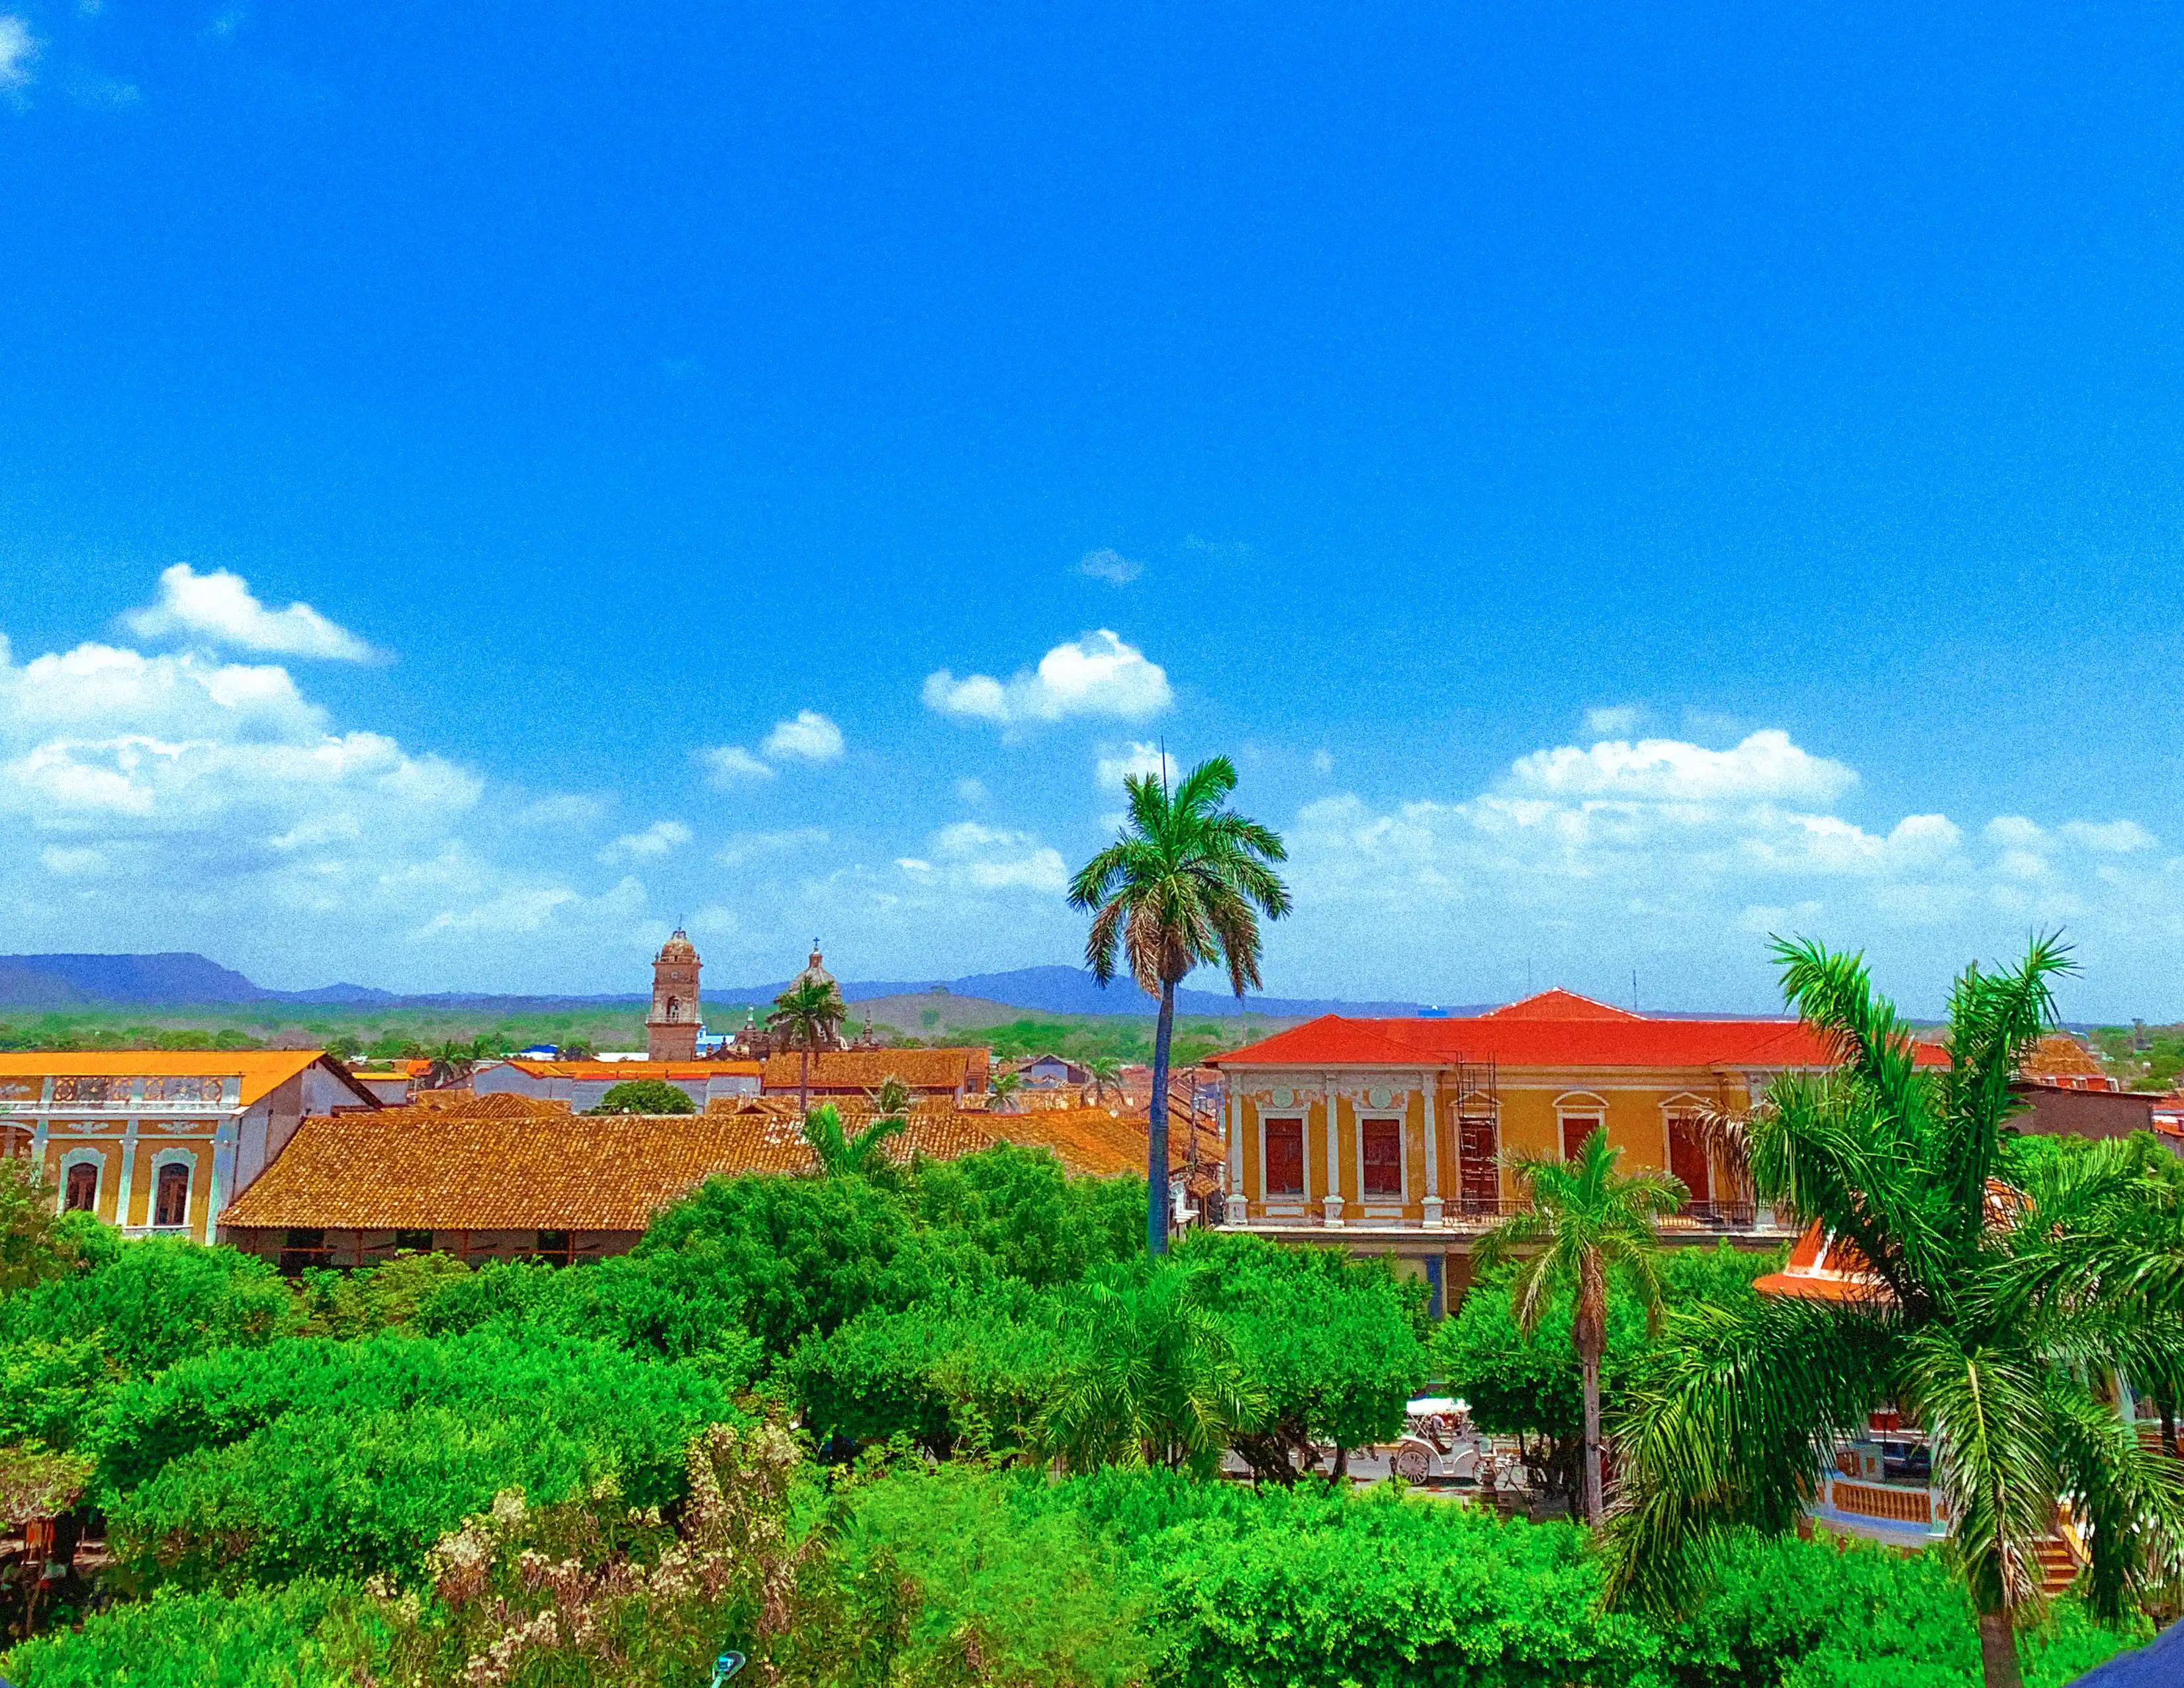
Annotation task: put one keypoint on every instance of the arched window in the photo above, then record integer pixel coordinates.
(674, 1008)
(170, 1201)
(80, 1190)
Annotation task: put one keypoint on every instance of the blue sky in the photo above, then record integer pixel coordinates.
(1619, 481)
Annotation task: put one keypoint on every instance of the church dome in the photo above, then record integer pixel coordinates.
(678, 948)
(814, 973)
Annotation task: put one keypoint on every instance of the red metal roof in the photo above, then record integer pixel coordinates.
(1555, 1029)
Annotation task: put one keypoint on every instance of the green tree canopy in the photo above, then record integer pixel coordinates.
(645, 1096)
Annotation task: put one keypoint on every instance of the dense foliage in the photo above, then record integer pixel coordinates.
(572, 1478)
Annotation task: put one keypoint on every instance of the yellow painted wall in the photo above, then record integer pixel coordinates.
(1532, 1109)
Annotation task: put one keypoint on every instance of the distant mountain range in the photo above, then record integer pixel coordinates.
(185, 980)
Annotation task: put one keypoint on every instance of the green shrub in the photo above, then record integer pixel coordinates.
(664, 1305)
(1013, 1212)
(261, 1638)
(154, 1303)
(645, 1096)
(981, 1365)
(797, 1255)
(996, 1589)
(321, 1456)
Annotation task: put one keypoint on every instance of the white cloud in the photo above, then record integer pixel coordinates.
(1766, 764)
(1619, 720)
(1110, 565)
(809, 736)
(2116, 837)
(731, 763)
(990, 859)
(1138, 758)
(970, 791)
(655, 840)
(1095, 676)
(1323, 762)
(219, 606)
(18, 51)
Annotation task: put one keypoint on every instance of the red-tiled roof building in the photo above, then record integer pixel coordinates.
(1396, 1134)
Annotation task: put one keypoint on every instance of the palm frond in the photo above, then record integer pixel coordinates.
(1727, 1424)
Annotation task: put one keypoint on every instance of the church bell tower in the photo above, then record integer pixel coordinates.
(671, 1029)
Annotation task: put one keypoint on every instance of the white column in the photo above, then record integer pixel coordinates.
(128, 1166)
(1330, 1204)
(1239, 1209)
(1432, 1203)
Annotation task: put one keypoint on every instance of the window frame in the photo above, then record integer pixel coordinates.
(1302, 1119)
(1395, 1123)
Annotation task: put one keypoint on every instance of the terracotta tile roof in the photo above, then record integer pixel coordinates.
(1583, 1039)
(1092, 1142)
(503, 1104)
(259, 1069)
(407, 1169)
(485, 1168)
(864, 1069)
(2059, 1055)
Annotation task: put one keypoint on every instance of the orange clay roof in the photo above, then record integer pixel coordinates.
(2060, 1055)
(864, 1069)
(1555, 1029)
(635, 1069)
(260, 1070)
(488, 1170)
(1825, 1268)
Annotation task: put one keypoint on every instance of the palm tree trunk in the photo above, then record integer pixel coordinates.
(803, 1079)
(1592, 1502)
(2168, 1424)
(1156, 1128)
(1998, 1651)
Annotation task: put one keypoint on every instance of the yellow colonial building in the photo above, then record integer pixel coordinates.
(1395, 1136)
(158, 1142)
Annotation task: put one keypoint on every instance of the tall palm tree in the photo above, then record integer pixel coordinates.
(842, 1156)
(1995, 1300)
(1004, 1088)
(1585, 1219)
(808, 1013)
(1184, 885)
(1104, 1073)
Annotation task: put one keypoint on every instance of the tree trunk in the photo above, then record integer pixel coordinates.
(803, 1079)
(2168, 1424)
(1589, 1347)
(1998, 1651)
(1156, 1128)
(1341, 1473)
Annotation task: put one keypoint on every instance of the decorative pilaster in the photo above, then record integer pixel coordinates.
(1330, 1204)
(1239, 1209)
(1432, 1203)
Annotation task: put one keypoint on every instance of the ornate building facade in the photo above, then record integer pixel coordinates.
(158, 1143)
